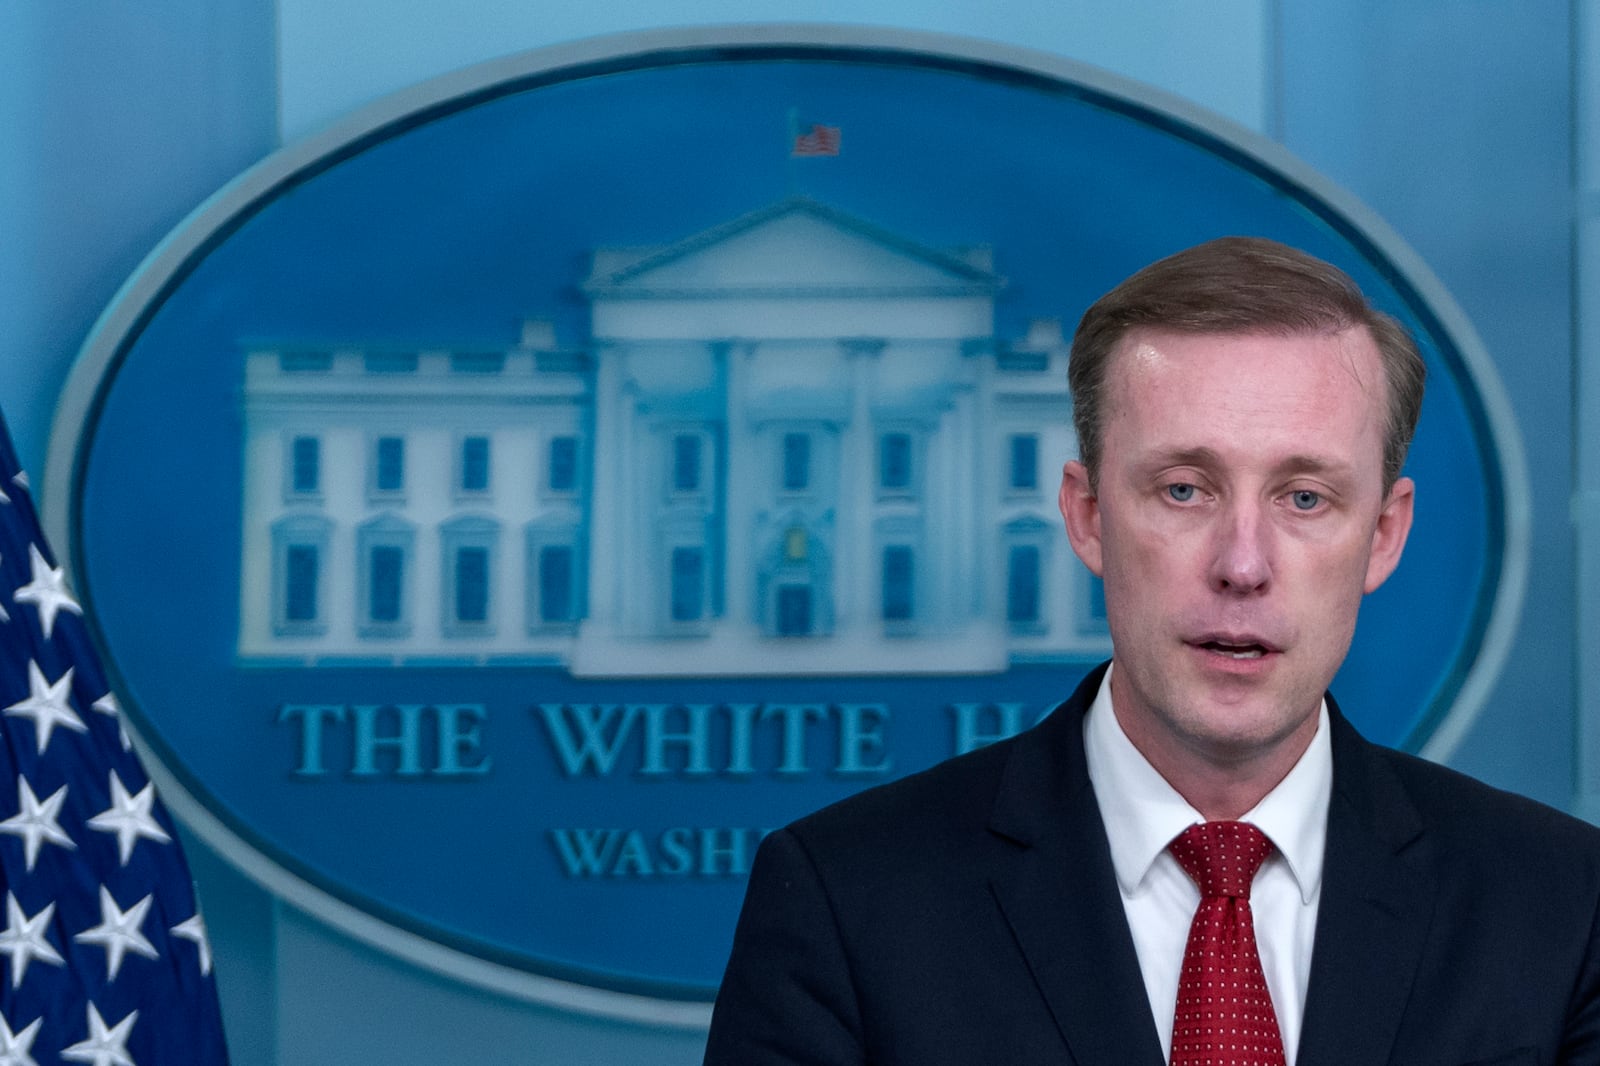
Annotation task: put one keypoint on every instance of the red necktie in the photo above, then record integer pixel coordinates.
(1224, 1015)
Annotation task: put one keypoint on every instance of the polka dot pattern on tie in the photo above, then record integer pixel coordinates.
(1224, 1015)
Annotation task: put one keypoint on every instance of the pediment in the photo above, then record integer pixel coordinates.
(797, 247)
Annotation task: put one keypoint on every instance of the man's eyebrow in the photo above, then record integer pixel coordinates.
(1163, 457)
(1314, 464)
(1299, 463)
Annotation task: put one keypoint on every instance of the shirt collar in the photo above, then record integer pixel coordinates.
(1142, 813)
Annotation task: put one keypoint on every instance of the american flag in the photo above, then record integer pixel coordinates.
(105, 956)
(818, 140)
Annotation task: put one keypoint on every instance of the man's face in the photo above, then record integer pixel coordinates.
(1240, 518)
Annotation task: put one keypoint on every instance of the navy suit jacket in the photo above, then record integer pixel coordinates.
(969, 915)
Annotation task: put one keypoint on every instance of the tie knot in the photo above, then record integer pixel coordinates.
(1221, 857)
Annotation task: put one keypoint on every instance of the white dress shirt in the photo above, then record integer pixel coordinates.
(1142, 815)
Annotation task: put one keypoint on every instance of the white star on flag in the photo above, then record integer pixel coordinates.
(47, 591)
(105, 1047)
(36, 822)
(16, 1049)
(118, 932)
(23, 939)
(194, 929)
(129, 817)
(108, 705)
(47, 705)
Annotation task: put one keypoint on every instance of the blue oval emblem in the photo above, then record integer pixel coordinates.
(500, 512)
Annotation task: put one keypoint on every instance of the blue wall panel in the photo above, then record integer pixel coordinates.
(1454, 122)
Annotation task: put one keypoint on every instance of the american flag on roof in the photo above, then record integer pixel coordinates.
(103, 955)
(819, 140)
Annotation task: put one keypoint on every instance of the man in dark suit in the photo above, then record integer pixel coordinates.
(1074, 894)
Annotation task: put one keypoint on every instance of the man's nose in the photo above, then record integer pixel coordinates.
(1242, 561)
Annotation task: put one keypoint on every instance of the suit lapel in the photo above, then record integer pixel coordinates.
(1378, 889)
(1059, 895)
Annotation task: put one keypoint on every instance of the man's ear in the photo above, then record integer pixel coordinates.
(1389, 535)
(1080, 509)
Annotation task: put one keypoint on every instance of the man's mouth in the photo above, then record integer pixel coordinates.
(1234, 649)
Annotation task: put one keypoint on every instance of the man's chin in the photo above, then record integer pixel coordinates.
(1243, 732)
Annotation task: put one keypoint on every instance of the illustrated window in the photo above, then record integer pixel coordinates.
(305, 466)
(688, 584)
(794, 610)
(557, 584)
(301, 565)
(562, 473)
(687, 449)
(1022, 585)
(299, 557)
(796, 462)
(385, 580)
(1024, 462)
(472, 584)
(383, 548)
(468, 559)
(474, 471)
(389, 465)
(898, 577)
(894, 462)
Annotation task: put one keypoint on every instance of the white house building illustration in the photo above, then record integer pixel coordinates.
(793, 444)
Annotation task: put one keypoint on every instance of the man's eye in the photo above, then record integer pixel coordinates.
(1305, 499)
(1181, 493)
